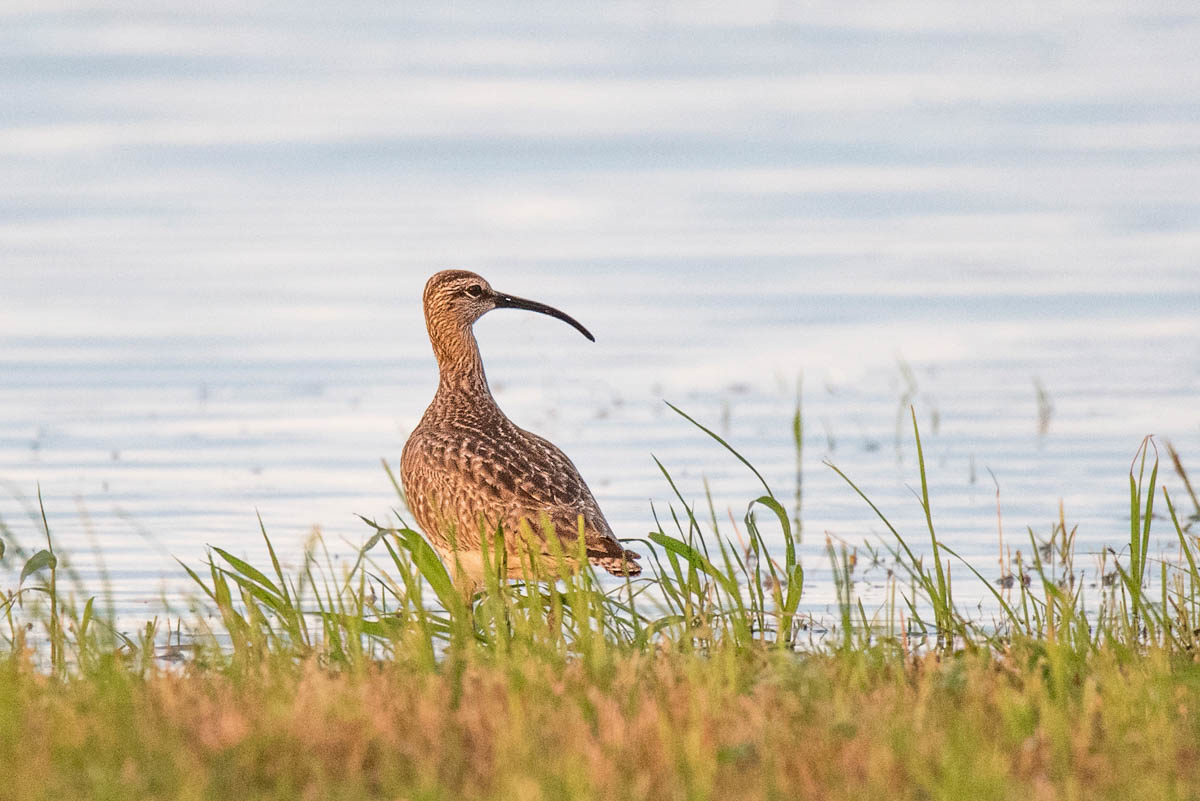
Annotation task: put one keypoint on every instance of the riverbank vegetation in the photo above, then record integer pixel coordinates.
(701, 681)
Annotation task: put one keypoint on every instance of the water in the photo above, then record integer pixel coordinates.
(215, 225)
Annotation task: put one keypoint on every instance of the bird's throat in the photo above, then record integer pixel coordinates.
(460, 365)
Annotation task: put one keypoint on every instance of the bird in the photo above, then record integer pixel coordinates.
(469, 473)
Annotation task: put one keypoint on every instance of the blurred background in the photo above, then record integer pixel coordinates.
(216, 220)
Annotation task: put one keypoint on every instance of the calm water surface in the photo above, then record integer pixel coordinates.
(215, 226)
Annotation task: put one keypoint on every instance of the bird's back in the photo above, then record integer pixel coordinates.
(467, 469)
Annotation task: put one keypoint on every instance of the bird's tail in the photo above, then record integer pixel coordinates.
(623, 565)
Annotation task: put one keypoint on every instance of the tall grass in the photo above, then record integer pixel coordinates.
(705, 590)
(701, 679)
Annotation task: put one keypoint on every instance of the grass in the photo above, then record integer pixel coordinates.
(699, 681)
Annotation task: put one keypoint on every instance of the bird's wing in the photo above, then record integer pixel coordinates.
(447, 503)
(466, 475)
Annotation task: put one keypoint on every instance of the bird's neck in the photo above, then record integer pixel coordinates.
(459, 363)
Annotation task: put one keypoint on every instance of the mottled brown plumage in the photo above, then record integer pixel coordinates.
(468, 469)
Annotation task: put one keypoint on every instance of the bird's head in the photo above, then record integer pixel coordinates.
(457, 298)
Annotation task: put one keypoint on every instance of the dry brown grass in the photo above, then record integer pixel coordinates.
(667, 726)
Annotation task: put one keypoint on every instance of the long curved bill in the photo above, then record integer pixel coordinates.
(510, 302)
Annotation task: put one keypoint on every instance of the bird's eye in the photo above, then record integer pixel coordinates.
(475, 291)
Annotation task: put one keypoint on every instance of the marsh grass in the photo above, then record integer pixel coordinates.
(700, 680)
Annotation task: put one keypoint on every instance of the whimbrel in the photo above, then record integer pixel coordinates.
(469, 471)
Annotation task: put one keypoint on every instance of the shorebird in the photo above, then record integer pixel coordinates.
(470, 473)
